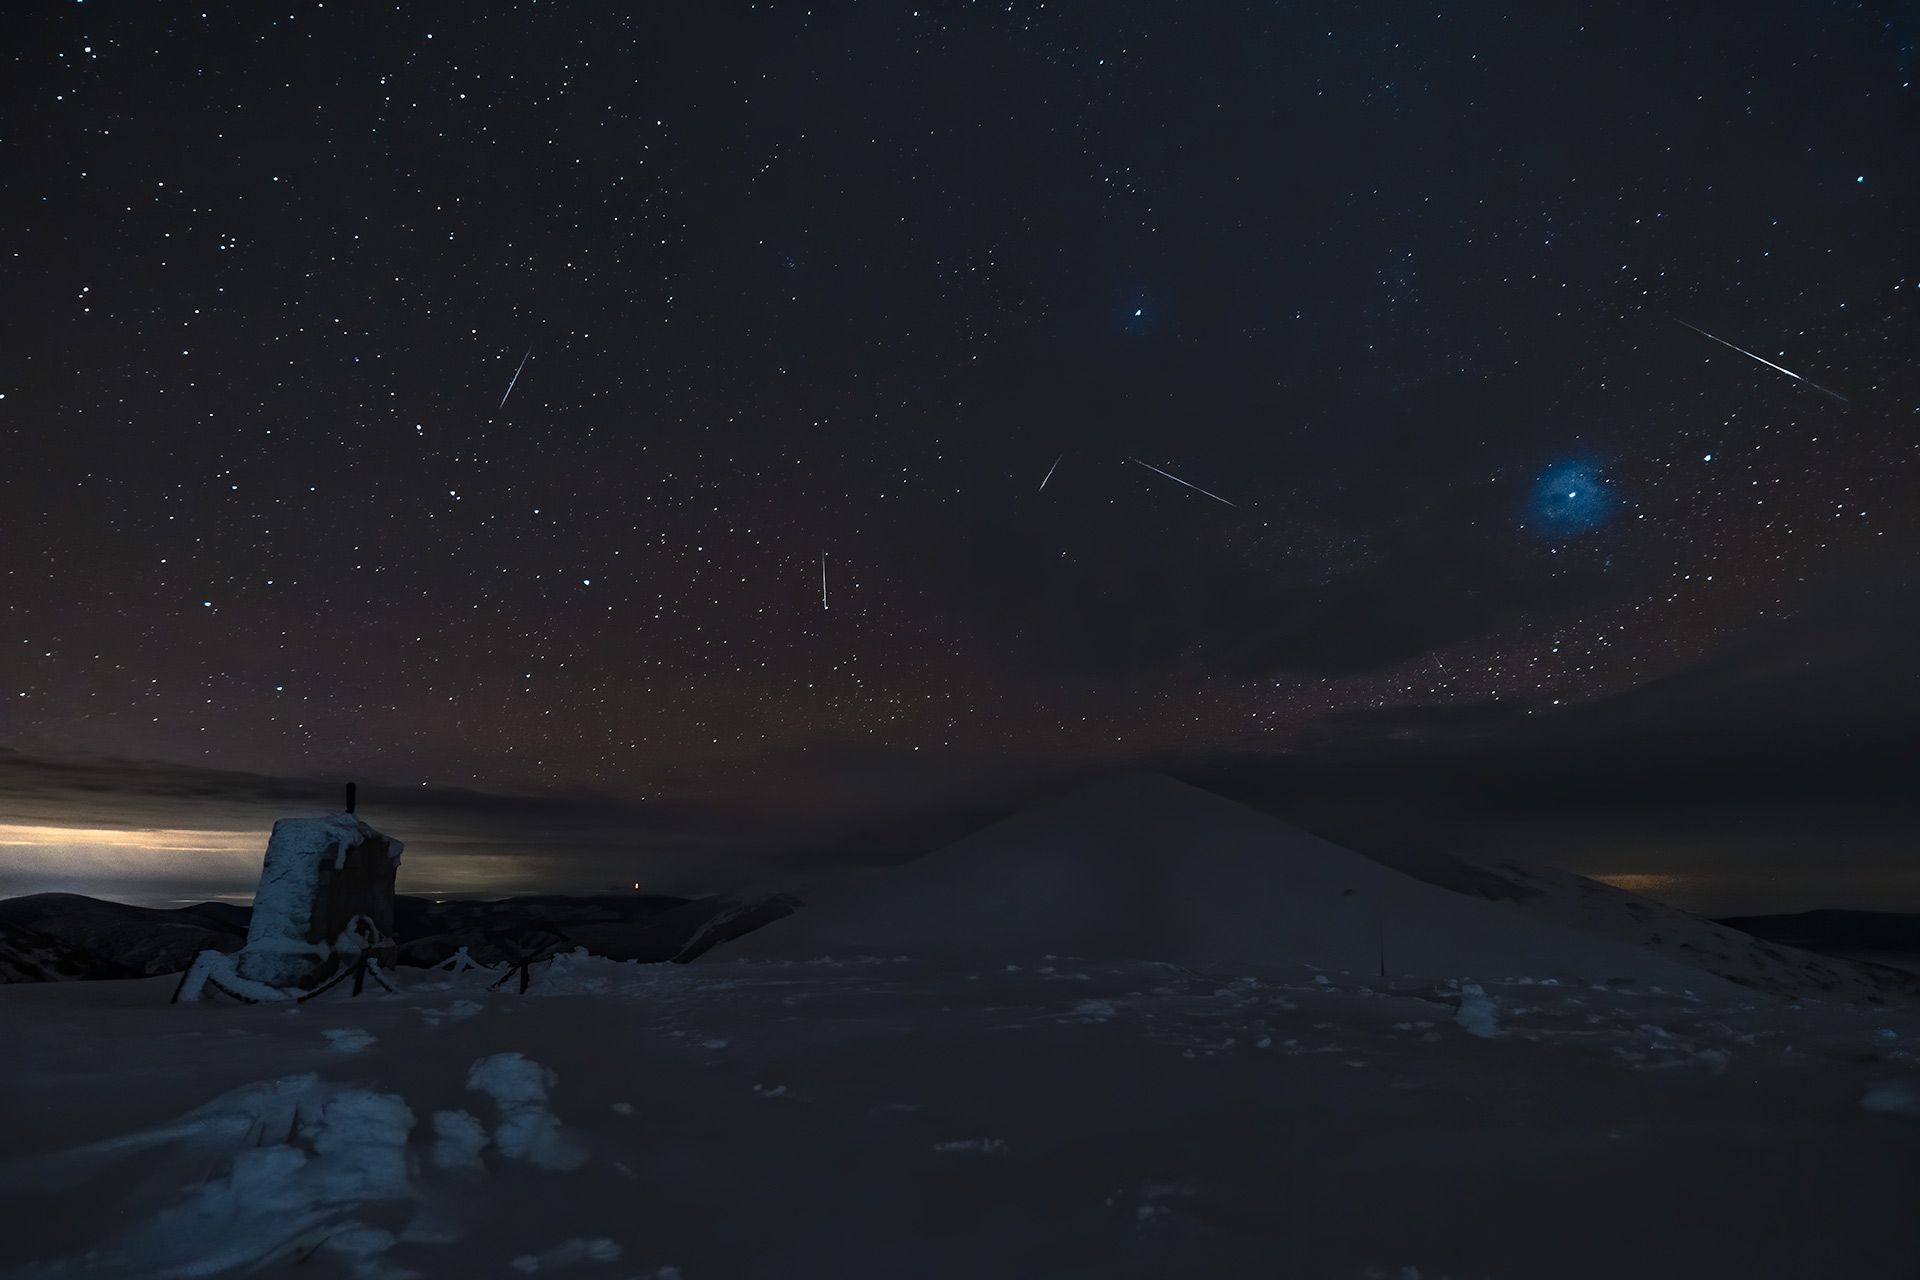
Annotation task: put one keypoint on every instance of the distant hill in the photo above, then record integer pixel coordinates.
(100, 939)
(1837, 931)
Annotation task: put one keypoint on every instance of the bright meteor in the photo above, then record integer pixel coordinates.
(510, 381)
(1177, 480)
(1763, 360)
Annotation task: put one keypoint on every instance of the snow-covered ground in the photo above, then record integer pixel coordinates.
(1044, 1117)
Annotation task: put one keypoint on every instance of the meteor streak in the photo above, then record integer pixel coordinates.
(510, 381)
(1050, 470)
(1763, 360)
(1177, 480)
(823, 580)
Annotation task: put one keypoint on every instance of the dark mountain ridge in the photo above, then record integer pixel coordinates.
(53, 937)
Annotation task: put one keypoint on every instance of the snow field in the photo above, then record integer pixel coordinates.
(1045, 1117)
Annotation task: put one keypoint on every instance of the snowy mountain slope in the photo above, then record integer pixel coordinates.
(1142, 867)
(1774, 968)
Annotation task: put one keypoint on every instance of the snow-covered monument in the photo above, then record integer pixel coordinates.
(324, 907)
(325, 899)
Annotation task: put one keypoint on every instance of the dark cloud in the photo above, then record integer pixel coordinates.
(1817, 704)
(130, 792)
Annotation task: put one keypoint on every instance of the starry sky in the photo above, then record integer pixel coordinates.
(746, 404)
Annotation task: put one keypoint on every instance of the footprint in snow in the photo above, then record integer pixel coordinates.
(348, 1039)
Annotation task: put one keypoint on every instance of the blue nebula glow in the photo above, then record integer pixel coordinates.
(1569, 497)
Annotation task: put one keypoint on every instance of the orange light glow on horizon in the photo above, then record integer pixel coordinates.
(127, 863)
(162, 839)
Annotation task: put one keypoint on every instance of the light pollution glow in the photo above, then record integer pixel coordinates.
(166, 865)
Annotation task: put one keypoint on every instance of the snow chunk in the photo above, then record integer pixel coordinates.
(535, 1135)
(527, 1130)
(222, 970)
(577, 973)
(453, 1013)
(458, 1139)
(1476, 1014)
(359, 1241)
(362, 1140)
(348, 1039)
(278, 1197)
(567, 1253)
(511, 1079)
(1894, 1098)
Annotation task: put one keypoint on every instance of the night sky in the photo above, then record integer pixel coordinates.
(475, 395)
